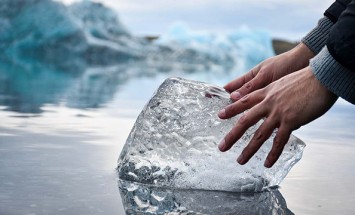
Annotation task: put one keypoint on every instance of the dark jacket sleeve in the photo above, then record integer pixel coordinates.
(334, 65)
(316, 39)
(334, 11)
(341, 40)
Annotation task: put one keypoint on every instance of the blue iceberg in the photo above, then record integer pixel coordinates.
(50, 32)
(86, 34)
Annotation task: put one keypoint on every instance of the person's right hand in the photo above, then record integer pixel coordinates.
(269, 71)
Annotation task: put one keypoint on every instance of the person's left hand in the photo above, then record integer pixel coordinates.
(285, 105)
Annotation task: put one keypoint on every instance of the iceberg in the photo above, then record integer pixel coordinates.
(86, 34)
(66, 36)
(174, 144)
(242, 48)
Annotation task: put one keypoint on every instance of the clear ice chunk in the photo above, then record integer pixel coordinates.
(174, 144)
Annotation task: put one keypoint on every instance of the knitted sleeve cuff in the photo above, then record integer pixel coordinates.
(316, 39)
(334, 76)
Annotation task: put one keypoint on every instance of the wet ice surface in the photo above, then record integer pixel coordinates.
(174, 144)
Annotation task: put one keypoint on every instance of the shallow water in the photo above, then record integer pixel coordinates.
(61, 134)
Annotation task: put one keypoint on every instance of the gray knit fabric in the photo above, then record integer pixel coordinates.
(316, 39)
(333, 75)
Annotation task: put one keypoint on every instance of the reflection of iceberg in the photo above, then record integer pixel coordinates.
(144, 199)
(174, 144)
(27, 90)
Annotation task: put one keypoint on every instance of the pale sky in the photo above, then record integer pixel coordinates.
(283, 18)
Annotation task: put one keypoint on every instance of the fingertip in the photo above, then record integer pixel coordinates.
(236, 95)
(222, 114)
(267, 163)
(226, 88)
(222, 145)
(240, 159)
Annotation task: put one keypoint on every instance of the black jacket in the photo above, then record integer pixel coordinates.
(341, 40)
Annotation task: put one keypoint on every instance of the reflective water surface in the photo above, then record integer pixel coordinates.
(61, 133)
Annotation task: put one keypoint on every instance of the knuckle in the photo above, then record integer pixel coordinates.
(259, 134)
(291, 117)
(245, 98)
(249, 85)
(231, 109)
(288, 116)
(255, 71)
(243, 119)
(261, 71)
(271, 97)
(276, 142)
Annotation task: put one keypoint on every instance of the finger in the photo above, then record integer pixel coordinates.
(260, 136)
(251, 86)
(247, 120)
(239, 82)
(240, 106)
(282, 136)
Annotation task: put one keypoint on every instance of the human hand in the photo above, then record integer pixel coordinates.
(285, 105)
(269, 71)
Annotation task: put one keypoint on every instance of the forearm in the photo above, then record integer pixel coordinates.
(334, 66)
(341, 41)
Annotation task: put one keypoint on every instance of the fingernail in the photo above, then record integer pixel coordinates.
(267, 163)
(222, 113)
(221, 145)
(240, 159)
(235, 95)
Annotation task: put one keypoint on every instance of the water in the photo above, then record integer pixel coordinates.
(61, 135)
(64, 121)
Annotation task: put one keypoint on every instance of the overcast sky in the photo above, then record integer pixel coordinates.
(283, 18)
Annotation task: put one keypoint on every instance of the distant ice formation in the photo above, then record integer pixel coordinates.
(174, 144)
(242, 48)
(50, 32)
(90, 34)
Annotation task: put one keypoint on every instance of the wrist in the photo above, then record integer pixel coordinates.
(300, 55)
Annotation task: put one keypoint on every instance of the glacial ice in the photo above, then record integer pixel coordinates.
(51, 32)
(174, 144)
(253, 46)
(86, 34)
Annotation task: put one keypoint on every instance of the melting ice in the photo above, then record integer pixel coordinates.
(174, 144)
